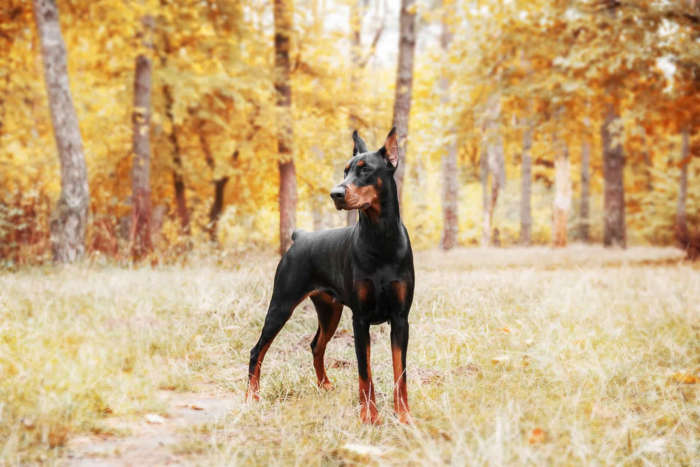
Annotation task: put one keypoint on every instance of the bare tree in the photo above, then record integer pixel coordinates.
(69, 221)
(141, 168)
(285, 131)
(404, 83)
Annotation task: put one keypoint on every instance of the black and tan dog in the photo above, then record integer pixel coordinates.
(367, 267)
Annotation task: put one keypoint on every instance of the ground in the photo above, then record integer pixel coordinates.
(525, 356)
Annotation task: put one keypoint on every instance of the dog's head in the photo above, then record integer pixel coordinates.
(367, 175)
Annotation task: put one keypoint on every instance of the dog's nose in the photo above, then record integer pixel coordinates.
(338, 193)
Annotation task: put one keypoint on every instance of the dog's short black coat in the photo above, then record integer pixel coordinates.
(367, 267)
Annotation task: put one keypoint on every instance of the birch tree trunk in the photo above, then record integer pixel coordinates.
(585, 221)
(526, 187)
(141, 168)
(285, 131)
(613, 175)
(404, 84)
(70, 218)
(562, 195)
(450, 225)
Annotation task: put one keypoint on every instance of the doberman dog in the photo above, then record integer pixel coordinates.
(367, 267)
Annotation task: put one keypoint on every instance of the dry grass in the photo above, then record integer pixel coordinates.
(533, 356)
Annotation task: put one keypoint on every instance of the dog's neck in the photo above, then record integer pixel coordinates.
(384, 228)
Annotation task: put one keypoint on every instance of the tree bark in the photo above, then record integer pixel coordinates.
(681, 222)
(562, 195)
(450, 225)
(526, 187)
(355, 68)
(404, 84)
(217, 205)
(486, 223)
(285, 131)
(613, 175)
(494, 159)
(69, 221)
(141, 168)
(584, 224)
(178, 179)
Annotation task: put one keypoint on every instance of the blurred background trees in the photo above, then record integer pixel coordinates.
(539, 122)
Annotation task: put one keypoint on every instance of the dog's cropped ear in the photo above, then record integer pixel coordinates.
(390, 150)
(359, 146)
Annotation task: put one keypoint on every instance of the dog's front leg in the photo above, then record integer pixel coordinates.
(399, 344)
(368, 405)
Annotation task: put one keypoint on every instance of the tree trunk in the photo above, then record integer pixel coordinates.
(526, 187)
(69, 221)
(562, 195)
(217, 205)
(285, 131)
(613, 177)
(494, 159)
(141, 169)
(404, 84)
(178, 180)
(585, 221)
(486, 226)
(681, 222)
(355, 68)
(450, 225)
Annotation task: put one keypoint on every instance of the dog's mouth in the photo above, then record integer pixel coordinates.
(341, 204)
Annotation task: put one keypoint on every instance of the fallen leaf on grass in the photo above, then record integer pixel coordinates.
(469, 369)
(341, 364)
(538, 436)
(684, 378)
(502, 359)
(196, 407)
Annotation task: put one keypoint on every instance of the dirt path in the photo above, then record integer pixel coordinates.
(153, 439)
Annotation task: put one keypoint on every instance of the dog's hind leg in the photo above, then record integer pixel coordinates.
(329, 312)
(291, 287)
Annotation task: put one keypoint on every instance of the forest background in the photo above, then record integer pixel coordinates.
(224, 124)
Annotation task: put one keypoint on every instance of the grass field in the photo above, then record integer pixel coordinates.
(516, 356)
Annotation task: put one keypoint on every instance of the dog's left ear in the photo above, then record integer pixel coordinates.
(359, 146)
(390, 150)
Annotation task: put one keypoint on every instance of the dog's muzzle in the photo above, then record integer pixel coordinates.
(338, 197)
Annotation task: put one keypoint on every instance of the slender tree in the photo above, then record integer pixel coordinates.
(70, 218)
(493, 163)
(681, 221)
(584, 213)
(450, 188)
(526, 186)
(614, 233)
(178, 178)
(562, 193)
(285, 132)
(404, 83)
(141, 169)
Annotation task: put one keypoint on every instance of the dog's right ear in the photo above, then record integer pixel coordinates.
(359, 146)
